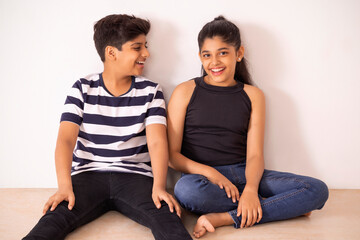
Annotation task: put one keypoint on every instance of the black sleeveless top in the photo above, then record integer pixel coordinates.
(216, 124)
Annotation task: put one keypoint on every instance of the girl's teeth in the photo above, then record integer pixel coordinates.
(217, 70)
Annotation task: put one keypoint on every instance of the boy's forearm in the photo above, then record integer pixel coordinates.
(63, 160)
(159, 163)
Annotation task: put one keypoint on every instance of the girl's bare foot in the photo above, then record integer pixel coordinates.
(307, 214)
(208, 223)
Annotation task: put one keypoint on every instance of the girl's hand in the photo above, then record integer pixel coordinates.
(231, 190)
(66, 194)
(159, 195)
(249, 208)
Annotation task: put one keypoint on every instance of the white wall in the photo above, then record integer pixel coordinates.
(303, 54)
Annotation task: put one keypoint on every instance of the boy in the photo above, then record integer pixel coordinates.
(117, 121)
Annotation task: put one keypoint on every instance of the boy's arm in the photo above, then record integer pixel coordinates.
(65, 144)
(158, 149)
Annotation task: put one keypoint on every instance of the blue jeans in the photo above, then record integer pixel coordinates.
(282, 195)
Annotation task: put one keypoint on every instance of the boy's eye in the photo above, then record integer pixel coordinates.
(137, 49)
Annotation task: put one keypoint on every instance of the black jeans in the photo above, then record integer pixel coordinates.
(99, 192)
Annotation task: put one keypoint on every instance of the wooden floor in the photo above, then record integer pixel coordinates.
(20, 209)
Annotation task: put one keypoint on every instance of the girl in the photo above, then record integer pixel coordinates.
(216, 134)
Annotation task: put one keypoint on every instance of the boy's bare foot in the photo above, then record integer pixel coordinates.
(208, 223)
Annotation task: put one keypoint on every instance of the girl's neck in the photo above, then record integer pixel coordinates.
(226, 83)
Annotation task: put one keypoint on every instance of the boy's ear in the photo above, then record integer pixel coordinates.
(110, 53)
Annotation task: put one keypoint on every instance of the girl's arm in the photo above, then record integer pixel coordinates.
(158, 150)
(176, 118)
(249, 205)
(65, 144)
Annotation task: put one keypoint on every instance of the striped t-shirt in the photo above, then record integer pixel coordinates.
(112, 129)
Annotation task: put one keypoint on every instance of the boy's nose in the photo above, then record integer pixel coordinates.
(145, 53)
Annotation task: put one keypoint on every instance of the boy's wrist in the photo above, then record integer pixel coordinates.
(158, 187)
(65, 184)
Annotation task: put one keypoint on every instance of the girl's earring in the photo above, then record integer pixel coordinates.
(239, 59)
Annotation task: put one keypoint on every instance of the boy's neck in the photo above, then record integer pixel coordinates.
(116, 83)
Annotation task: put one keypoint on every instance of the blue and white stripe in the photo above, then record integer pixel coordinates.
(112, 129)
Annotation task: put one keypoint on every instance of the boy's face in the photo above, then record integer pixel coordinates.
(131, 59)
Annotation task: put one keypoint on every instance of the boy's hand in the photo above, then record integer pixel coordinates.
(61, 195)
(159, 195)
(249, 208)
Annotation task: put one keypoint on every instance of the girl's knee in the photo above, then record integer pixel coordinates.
(320, 192)
(193, 192)
(188, 186)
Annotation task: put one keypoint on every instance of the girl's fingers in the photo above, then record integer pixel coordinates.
(260, 214)
(255, 217)
(228, 191)
(237, 194)
(249, 218)
(233, 195)
(239, 210)
(243, 218)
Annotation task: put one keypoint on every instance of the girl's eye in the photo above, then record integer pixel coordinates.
(222, 53)
(137, 49)
(206, 55)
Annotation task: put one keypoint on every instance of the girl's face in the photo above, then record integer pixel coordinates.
(219, 60)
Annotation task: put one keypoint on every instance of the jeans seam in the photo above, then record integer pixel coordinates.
(307, 186)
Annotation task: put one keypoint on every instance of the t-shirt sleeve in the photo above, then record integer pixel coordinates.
(156, 113)
(74, 105)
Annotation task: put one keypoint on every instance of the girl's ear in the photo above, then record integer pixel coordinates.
(240, 53)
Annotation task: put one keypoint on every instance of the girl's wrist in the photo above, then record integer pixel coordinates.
(251, 189)
(209, 172)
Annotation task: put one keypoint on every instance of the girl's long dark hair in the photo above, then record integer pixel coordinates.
(229, 33)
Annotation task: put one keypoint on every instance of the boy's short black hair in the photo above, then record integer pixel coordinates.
(114, 30)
